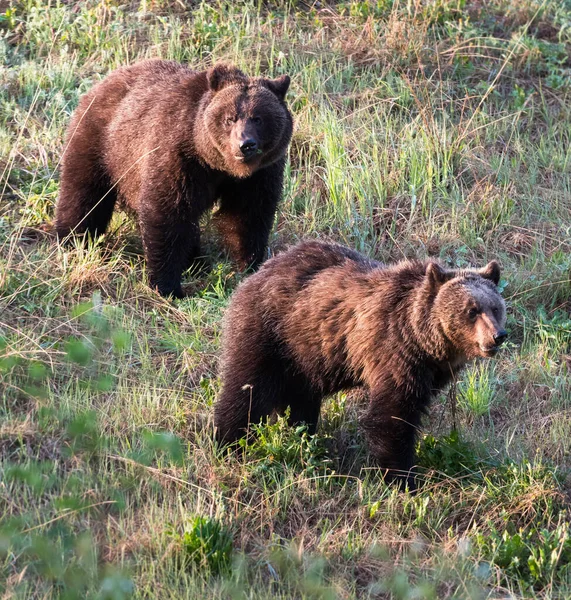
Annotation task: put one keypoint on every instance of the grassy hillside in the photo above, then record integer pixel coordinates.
(423, 128)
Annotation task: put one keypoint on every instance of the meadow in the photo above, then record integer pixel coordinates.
(423, 128)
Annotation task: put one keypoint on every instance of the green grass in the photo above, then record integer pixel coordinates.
(426, 128)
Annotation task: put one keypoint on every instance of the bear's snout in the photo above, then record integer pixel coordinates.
(246, 141)
(490, 334)
(248, 147)
(500, 337)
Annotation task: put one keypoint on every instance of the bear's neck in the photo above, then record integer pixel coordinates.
(429, 335)
(203, 149)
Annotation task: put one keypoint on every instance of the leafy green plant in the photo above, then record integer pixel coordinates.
(534, 557)
(68, 562)
(277, 448)
(554, 329)
(157, 444)
(205, 543)
(449, 454)
(8, 18)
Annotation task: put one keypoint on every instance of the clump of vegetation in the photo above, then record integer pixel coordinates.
(205, 543)
(535, 558)
(276, 449)
(449, 455)
(477, 393)
(65, 561)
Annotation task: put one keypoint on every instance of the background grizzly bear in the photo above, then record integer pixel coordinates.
(321, 317)
(168, 142)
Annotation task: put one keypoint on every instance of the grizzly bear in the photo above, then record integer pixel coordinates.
(320, 318)
(167, 142)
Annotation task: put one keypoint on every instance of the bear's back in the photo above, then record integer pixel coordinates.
(149, 111)
(331, 307)
(154, 97)
(283, 278)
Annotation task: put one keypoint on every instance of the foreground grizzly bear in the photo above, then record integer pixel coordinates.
(320, 318)
(168, 142)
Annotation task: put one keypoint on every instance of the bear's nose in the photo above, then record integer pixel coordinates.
(500, 337)
(248, 147)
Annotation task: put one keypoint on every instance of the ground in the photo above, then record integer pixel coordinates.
(433, 128)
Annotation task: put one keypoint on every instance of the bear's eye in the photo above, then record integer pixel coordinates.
(496, 311)
(473, 313)
(257, 120)
(230, 120)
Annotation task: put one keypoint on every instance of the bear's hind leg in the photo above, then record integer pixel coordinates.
(87, 198)
(250, 393)
(257, 389)
(304, 403)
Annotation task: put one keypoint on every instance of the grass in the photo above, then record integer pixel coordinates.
(425, 128)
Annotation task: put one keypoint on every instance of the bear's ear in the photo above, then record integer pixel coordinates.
(491, 271)
(222, 75)
(436, 275)
(278, 86)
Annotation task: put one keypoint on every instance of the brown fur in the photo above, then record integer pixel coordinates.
(320, 318)
(167, 142)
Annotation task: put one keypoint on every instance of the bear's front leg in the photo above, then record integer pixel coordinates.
(246, 215)
(390, 424)
(171, 238)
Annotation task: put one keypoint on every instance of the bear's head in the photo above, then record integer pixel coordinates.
(468, 309)
(244, 123)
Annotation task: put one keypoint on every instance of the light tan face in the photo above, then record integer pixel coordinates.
(472, 313)
(485, 313)
(248, 124)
